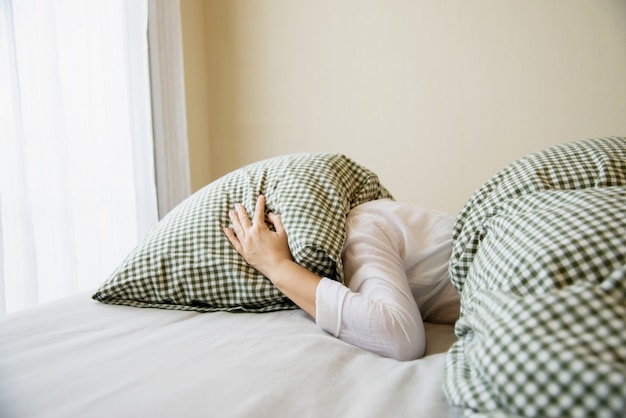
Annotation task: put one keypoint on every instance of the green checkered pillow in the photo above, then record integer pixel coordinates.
(187, 263)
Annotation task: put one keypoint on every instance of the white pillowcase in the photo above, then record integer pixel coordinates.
(425, 245)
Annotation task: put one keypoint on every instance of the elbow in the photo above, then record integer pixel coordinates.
(408, 348)
(405, 336)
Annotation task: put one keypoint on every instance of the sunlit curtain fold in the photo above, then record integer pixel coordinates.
(77, 187)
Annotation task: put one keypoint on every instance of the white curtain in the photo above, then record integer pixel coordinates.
(77, 188)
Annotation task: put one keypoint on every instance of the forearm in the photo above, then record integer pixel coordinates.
(297, 283)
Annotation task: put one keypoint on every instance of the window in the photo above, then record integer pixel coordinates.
(77, 177)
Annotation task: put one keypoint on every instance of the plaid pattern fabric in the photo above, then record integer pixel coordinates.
(543, 278)
(187, 263)
(577, 165)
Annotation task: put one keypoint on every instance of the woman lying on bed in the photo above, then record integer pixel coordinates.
(377, 310)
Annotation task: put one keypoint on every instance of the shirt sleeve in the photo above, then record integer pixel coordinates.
(376, 310)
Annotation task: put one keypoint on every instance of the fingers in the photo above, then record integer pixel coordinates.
(242, 216)
(259, 210)
(276, 220)
(259, 213)
(237, 231)
(234, 241)
(242, 224)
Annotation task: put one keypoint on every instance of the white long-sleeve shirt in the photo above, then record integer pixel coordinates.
(395, 257)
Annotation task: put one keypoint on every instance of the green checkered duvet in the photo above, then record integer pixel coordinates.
(539, 256)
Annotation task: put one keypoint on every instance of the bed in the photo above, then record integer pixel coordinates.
(541, 329)
(80, 358)
(185, 328)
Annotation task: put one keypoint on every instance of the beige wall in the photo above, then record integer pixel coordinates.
(195, 55)
(434, 96)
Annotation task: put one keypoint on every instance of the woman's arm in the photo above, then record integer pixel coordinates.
(268, 252)
(378, 312)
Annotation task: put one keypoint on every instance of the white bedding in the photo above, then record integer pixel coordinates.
(80, 358)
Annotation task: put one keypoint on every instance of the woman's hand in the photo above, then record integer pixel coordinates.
(261, 247)
(268, 252)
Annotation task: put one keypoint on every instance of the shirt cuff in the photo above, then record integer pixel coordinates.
(329, 299)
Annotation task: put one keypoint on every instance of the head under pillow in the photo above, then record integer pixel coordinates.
(187, 263)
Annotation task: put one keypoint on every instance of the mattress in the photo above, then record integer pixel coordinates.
(79, 358)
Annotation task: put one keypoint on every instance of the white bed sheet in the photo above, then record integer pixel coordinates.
(80, 358)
